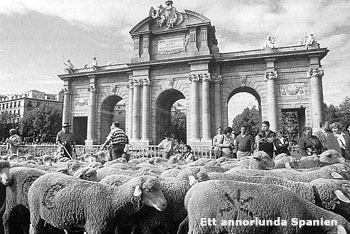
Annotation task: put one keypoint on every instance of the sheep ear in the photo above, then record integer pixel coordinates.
(137, 191)
(192, 180)
(341, 230)
(336, 175)
(341, 196)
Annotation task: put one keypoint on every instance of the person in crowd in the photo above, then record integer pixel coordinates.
(218, 139)
(265, 139)
(309, 144)
(188, 155)
(348, 128)
(281, 144)
(118, 140)
(13, 142)
(244, 143)
(176, 149)
(65, 139)
(323, 133)
(167, 145)
(339, 140)
(227, 144)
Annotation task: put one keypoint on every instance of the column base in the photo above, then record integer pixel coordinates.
(89, 142)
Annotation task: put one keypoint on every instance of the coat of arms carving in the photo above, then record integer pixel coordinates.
(166, 15)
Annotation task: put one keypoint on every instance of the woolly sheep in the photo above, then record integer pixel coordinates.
(68, 203)
(5, 172)
(285, 161)
(259, 160)
(326, 193)
(115, 180)
(174, 190)
(171, 172)
(335, 171)
(17, 195)
(106, 171)
(86, 173)
(331, 156)
(232, 200)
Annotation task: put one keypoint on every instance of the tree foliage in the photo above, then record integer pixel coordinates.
(290, 125)
(42, 123)
(249, 118)
(339, 113)
(178, 125)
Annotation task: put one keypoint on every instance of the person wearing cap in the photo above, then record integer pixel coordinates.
(13, 142)
(118, 139)
(65, 139)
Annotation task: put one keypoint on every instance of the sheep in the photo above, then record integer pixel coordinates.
(237, 201)
(326, 193)
(68, 203)
(106, 171)
(115, 180)
(5, 172)
(16, 196)
(259, 160)
(285, 161)
(331, 156)
(335, 171)
(174, 190)
(171, 172)
(86, 173)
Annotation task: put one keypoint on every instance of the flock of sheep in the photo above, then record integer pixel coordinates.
(169, 196)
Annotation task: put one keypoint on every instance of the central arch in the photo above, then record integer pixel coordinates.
(242, 90)
(164, 104)
(112, 109)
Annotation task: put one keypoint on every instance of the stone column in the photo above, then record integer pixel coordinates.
(315, 75)
(194, 105)
(206, 128)
(92, 112)
(193, 40)
(217, 100)
(271, 101)
(130, 108)
(145, 111)
(66, 105)
(136, 111)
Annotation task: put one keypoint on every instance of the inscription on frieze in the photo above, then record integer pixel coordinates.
(172, 45)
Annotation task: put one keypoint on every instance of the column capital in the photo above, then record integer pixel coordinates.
(217, 79)
(271, 75)
(130, 85)
(92, 88)
(206, 77)
(66, 91)
(315, 72)
(146, 81)
(137, 82)
(193, 77)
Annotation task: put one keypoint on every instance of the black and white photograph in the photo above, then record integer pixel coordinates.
(174, 117)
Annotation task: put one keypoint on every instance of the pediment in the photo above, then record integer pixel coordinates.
(185, 20)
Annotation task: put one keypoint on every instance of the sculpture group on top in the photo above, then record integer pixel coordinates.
(166, 15)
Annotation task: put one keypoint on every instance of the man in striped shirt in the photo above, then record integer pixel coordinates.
(118, 139)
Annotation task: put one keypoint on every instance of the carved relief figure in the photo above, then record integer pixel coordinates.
(166, 15)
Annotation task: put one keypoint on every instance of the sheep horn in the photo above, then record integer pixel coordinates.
(341, 230)
(336, 175)
(137, 191)
(341, 196)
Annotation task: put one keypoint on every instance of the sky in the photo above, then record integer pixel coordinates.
(37, 36)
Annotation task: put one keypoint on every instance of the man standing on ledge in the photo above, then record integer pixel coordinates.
(266, 138)
(118, 140)
(65, 139)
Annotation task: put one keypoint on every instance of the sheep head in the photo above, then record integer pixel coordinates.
(5, 174)
(148, 190)
(263, 159)
(86, 173)
(331, 156)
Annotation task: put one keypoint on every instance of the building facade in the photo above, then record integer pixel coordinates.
(16, 105)
(176, 56)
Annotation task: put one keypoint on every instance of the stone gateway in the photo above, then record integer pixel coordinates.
(176, 56)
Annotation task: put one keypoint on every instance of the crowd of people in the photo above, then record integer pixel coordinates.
(225, 143)
(330, 136)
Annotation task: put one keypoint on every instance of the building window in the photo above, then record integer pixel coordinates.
(19, 103)
(29, 104)
(14, 104)
(37, 104)
(7, 105)
(19, 111)
(3, 106)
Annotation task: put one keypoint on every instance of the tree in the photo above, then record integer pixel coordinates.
(290, 125)
(178, 125)
(42, 123)
(340, 114)
(249, 118)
